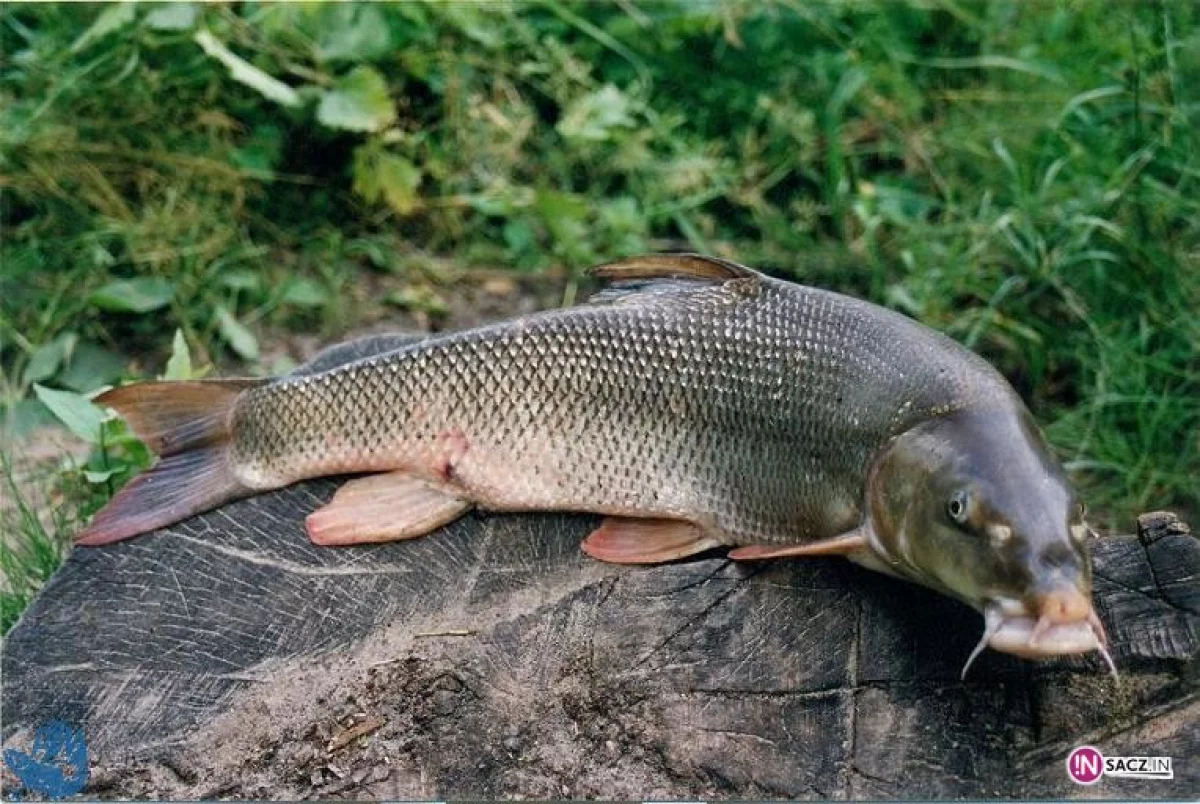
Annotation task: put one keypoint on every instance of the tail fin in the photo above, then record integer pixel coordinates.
(188, 425)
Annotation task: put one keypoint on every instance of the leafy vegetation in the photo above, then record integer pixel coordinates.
(1020, 175)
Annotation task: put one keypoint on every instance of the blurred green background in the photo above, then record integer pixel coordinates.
(1020, 175)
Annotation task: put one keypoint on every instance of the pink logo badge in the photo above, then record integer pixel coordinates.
(1085, 765)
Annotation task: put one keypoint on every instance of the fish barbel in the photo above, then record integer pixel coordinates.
(696, 404)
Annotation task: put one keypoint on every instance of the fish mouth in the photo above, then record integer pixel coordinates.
(1040, 637)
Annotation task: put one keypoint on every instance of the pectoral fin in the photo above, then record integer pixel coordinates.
(383, 508)
(619, 540)
(844, 544)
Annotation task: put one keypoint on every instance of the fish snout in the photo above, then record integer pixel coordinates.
(1055, 622)
(1063, 622)
(1062, 606)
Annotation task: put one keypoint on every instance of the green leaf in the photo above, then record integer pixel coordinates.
(240, 339)
(89, 367)
(625, 225)
(494, 204)
(111, 19)
(134, 453)
(305, 293)
(518, 236)
(399, 180)
(847, 87)
(241, 280)
(101, 257)
(379, 174)
(261, 151)
(376, 252)
(359, 101)
(173, 17)
(418, 297)
(477, 20)
(24, 418)
(353, 32)
(101, 476)
(48, 358)
(246, 73)
(74, 410)
(563, 213)
(134, 295)
(592, 117)
(179, 365)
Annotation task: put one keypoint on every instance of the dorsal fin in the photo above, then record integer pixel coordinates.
(672, 266)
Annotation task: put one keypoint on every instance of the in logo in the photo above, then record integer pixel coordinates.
(56, 765)
(1086, 765)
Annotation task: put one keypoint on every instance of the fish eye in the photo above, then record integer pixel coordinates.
(956, 506)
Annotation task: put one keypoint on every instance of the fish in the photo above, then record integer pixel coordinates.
(695, 404)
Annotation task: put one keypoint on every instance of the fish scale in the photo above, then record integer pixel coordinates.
(752, 407)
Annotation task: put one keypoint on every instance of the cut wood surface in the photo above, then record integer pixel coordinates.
(226, 656)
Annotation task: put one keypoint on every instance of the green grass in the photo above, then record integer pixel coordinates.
(1023, 176)
(32, 548)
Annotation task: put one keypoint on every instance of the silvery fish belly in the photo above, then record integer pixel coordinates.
(695, 403)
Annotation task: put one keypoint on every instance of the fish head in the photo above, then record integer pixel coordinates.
(973, 504)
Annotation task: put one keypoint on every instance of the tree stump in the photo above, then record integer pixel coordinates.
(227, 657)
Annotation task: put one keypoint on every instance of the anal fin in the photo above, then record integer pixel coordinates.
(383, 508)
(843, 544)
(621, 540)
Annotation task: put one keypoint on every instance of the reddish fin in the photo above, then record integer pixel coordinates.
(172, 417)
(383, 508)
(176, 488)
(187, 423)
(841, 545)
(646, 541)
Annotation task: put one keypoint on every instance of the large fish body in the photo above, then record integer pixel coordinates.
(755, 405)
(695, 403)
